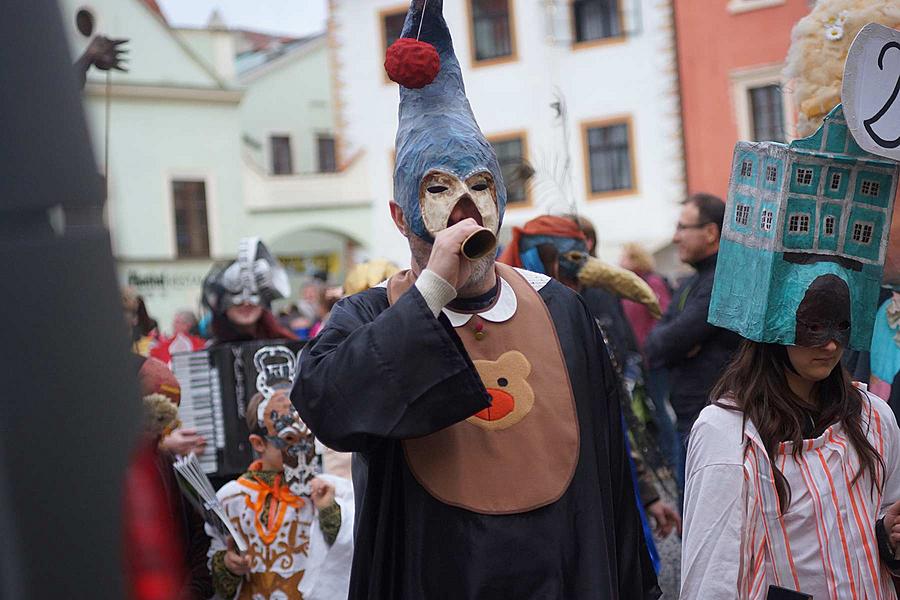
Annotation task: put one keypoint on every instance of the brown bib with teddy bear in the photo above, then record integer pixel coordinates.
(520, 453)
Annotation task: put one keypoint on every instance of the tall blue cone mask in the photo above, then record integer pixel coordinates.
(437, 130)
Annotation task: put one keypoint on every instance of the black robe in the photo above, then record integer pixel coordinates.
(378, 374)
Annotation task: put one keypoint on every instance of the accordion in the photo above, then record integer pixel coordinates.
(216, 386)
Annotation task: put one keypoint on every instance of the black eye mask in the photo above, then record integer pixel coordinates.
(824, 313)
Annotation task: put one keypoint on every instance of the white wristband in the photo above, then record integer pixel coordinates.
(436, 291)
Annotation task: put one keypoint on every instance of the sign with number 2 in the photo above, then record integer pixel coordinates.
(871, 88)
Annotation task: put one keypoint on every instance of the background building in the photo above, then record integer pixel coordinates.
(730, 57)
(218, 133)
(213, 135)
(584, 93)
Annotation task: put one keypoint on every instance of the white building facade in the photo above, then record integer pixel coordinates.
(584, 92)
(211, 136)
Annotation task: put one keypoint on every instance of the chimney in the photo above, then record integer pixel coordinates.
(223, 50)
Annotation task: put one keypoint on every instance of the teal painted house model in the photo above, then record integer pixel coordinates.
(819, 206)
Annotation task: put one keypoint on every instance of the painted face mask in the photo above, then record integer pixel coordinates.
(283, 428)
(446, 170)
(569, 266)
(445, 199)
(256, 277)
(824, 313)
(282, 424)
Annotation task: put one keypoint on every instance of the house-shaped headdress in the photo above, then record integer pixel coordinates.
(437, 130)
(804, 239)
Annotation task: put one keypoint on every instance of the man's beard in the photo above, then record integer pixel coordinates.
(481, 268)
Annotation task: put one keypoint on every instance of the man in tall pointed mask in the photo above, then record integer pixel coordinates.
(478, 398)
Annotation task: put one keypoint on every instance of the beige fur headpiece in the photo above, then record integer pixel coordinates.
(819, 45)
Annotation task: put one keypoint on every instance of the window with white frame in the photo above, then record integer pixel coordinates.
(804, 176)
(835, 184)
(829, 226)
(870, 188)
(862, 233)
(282, 163)
(742, 214)
(608, 153)
(326, 148)
(392, 26)
(762, 104)
(746, 168)
(492, 28)
(771, 173)
(766, 220)
(510, 153)
(767, 113)
(596, 19)
(191, 225)
(798, 223)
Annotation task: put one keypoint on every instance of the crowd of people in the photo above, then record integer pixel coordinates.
(524, 422)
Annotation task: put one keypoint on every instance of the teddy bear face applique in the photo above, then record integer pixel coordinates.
(512, 398)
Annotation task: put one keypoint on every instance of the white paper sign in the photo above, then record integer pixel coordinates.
(871, 88)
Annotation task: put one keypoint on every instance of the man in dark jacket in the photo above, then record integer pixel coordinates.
(694, 351)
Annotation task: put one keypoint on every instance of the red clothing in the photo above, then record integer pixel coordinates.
(153, 558)
(639, 315)
(164, 346)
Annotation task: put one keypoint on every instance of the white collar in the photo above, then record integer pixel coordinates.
(502, 310)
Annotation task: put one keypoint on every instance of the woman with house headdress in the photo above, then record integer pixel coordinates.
(481, 405)
(793, 473)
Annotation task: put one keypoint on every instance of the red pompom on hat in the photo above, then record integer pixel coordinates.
(412, 63)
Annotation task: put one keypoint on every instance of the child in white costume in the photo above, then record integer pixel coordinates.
(299, 527)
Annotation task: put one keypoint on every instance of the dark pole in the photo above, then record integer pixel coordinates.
(69, 410)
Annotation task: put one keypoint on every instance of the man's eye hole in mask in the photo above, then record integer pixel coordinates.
(437, 189)
(480, 187)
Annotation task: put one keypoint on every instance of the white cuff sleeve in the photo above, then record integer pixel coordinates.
(436, 291)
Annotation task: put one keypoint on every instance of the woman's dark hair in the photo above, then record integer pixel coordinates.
(145, 323)
(267, 328)
(755, 383)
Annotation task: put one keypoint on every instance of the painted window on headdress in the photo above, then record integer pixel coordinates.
(771, 173)
(191, 225)
(609, 157)
(597, 19)
(798, 223)
(512, 153)
(873, 188)
(327, 153)
(829, 226)
(282, 162)
(766, 220)
(746, 168)
(862, 233)
(835, 183)
(870, 188)
(742, 214)
(492, 29)
(804, 176)
(767, 113)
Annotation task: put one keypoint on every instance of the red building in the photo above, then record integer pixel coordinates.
(730, 57)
